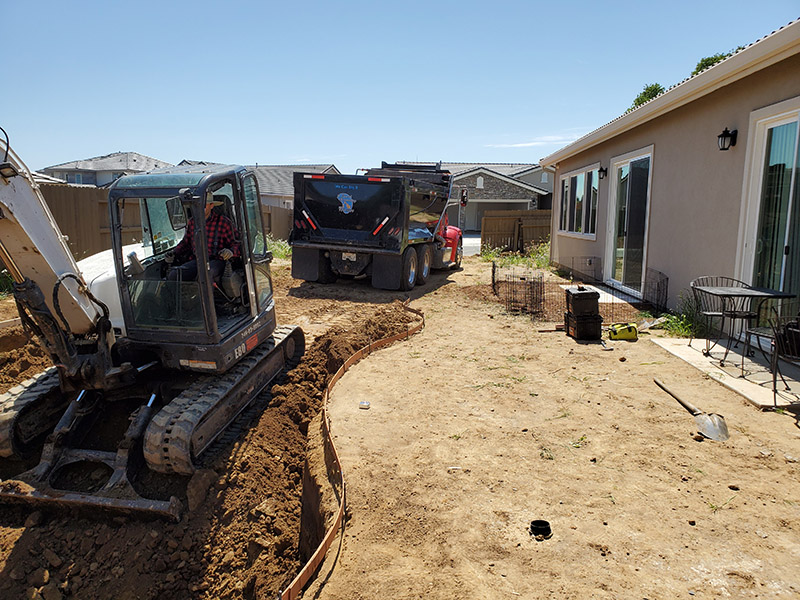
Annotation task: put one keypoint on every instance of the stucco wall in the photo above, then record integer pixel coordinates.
(696, 190)
(496, 194)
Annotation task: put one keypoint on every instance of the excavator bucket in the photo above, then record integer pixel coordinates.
(88, 479)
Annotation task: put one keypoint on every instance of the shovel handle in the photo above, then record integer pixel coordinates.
(692, 409)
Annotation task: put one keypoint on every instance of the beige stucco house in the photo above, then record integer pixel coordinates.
(653, 191)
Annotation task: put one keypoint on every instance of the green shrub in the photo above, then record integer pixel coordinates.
(279, 248)
(537, 257)
(686, 321)
(6, 283)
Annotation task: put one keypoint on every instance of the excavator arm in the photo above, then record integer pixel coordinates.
(52, 297)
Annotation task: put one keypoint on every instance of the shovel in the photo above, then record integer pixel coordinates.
(711, 426)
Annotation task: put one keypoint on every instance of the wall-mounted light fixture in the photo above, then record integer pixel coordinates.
(726, 139)
(602, 172)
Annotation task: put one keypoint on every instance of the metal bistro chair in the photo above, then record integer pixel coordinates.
(712, 307)
(762, 329)
(785, 346)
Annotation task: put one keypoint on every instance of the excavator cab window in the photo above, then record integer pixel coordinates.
(162, 229)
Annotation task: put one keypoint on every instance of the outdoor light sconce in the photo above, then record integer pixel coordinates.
(726, 139)
(602, 172)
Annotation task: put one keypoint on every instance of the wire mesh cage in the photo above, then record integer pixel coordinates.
(521, 289)
(526, 290)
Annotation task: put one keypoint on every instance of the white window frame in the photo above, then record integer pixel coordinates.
(761, 121)
(611, 216)
(479, 182)
(574, 234)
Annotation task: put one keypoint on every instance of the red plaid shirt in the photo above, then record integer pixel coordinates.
(220, 234)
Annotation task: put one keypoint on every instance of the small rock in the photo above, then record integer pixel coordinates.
(34, 519)
(198, 487)
(228, 558)
(255, 547)
(186, 542)
(160, 565)
(32, 594)
(622, 359)
(172, 544)
(733, 487)
(17, 574)
(692, 523)
(53, 558)
(51, 592)
(766, 453)
(268, 508)
(39, 577)
(791, 459)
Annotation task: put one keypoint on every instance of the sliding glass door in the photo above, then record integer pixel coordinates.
(631, 195)
(777, 255)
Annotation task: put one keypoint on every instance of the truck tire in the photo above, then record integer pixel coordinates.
(408, 270)
(424, 260)
(326, 272)
(459, 255)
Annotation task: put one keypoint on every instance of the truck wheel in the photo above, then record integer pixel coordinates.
(409, 270)
(424, 260)
(326, 273)
(459, 255)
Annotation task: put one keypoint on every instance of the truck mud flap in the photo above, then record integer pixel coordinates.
(387, 271)
(306, 263)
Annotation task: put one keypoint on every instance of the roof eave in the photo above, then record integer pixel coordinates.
(762, 54)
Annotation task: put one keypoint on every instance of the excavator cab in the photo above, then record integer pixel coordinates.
(209, 321)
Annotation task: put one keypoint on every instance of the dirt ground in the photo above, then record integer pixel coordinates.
(477, 426)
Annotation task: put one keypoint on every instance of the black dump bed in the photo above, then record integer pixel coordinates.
(382, 210)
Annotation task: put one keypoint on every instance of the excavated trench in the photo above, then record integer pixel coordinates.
(240, 538)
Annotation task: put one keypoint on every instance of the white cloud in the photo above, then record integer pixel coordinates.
(542, 140)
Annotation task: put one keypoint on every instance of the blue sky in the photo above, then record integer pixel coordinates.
(350, 83)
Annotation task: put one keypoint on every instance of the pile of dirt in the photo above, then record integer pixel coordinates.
(20, 358)
(240, 537)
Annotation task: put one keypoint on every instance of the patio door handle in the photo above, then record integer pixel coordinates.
(786, 250)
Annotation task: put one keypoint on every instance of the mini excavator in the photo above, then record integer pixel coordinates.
(149, 369)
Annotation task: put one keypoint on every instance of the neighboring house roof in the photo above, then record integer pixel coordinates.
(530, 170)
(118, 161)
(761, 54)
(278, 180)
(506, 178)
(189, 163)
(456, 168)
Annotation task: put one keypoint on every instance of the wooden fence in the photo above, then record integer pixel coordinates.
(515, 230)
(82, 215)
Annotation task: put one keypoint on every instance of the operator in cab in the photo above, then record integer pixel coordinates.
(223, 245)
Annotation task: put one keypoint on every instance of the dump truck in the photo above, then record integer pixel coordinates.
(150, 367)
(389, 224)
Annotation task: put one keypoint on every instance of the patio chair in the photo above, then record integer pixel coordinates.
(712, 307)
(762, 329)
(786, 347)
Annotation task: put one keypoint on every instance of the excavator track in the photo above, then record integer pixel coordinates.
(185, 428)
(26, 414)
